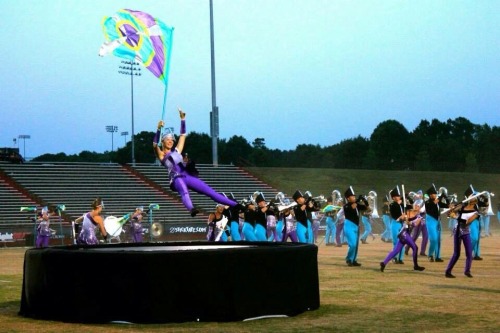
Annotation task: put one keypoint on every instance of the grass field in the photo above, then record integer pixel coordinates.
(352, 299)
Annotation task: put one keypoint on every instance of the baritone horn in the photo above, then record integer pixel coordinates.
(337, 199)
(372, 202)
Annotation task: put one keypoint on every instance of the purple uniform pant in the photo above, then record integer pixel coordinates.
(42, 241)
(457, 244)
(404, 239)
(186, 182)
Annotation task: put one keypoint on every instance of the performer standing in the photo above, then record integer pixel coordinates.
(386, 218)
(43, 229)
(366, 219)
(180, 179)
(261, 218)
(214, 224)
(412, 218)
(433, 223)
(331, 219)
(234, 217)
(461, 233)
(290, 230)
(301, 210)
(136, 225)
(397, 209)
(90, 222)
(249, 222)
(351, 224)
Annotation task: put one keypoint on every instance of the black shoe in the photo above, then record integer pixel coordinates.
(439, 260)
(355, 263)
(418, 268)
(406, 252)
(349, 263)
(449, 275)
(477, 258)
(400, 262)
(431, 259)
(363, 241)
(194, 211)
(468, 274)
(382, 266)
(423, 254)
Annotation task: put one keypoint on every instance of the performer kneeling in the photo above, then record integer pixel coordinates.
(180, 178)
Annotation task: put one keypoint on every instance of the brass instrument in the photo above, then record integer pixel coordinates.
(489, 195)
(372, 203)
(337, 199)
(283, 203)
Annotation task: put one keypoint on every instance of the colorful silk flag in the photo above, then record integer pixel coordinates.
(136, 35)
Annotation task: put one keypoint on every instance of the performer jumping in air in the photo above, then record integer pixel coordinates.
(180, 178)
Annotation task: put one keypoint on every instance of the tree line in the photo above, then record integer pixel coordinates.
(454, 145)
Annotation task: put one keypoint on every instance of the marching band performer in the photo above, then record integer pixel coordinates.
(233, 215)
(272, 218)
(331, 229)
(290, 230)
(339, 233)
(397, 210)
(214, 224)
(420, 228)
(386, 235)
(136, 225)
(43, 229)
(461, 233)
(249, 222)
(301, 210)
(366, 219)
(261, 218)
(180, 179)
(351, 224)
(90, 222)
(412, 218)
(433, 223)
(475, 226)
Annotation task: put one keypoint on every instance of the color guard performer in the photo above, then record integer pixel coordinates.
(386, 218)
(412, 218)
(90, 222)
(181, 180)
(397, 210)
(466, 213)
(43, 229)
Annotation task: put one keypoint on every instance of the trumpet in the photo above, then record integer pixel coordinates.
(337, 198)
(489, 211)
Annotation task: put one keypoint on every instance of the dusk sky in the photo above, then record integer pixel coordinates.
(289, 71)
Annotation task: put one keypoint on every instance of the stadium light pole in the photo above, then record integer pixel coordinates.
(214, 114)
(24, 137)
(112, 129)
(130, 68)
(125, 135)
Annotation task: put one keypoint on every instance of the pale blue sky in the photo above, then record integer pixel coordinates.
(290, 71)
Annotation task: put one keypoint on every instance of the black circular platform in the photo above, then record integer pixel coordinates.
(170, 282)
